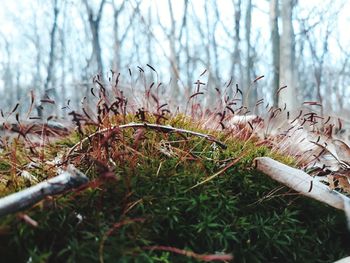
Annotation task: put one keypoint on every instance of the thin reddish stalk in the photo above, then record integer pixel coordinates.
(187, 253)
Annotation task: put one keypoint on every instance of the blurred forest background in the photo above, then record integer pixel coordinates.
(55, 47)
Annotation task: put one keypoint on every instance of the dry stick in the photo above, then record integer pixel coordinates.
(69, 179)
(14, 126)
(303, 183)
(218, 173)
(187, 253)
(163, 128)
(343, 260)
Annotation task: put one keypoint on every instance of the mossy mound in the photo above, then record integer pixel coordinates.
(142, 195)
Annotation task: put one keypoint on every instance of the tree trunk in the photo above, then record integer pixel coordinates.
(94, 23)
(275, 39)
(236, 61)
(287, 97)
(174, 60)
(7, 76)
(252, 95)
(52, 49)
(189, 77)
(116, 32)
(96, 47)
(49, 77)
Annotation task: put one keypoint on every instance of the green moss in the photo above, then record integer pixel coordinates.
(4, 166)
(150, 201)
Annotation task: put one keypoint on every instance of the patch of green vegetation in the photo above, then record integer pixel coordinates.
(151, 202)
(4, 166)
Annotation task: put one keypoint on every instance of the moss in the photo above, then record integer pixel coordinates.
(149, 201)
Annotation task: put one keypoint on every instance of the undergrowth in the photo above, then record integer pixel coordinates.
(157, 196)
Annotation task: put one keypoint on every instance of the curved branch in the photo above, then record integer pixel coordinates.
(162, 128)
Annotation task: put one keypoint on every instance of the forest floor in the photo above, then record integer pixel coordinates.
(160, 195)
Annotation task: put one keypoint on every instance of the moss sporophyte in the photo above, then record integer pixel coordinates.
(164, 186)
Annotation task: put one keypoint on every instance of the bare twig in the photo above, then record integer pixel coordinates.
(162, 128)
(69, 179)
(8, 125)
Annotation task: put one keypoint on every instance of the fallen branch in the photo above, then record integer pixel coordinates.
(163, 128)
(34, 127)
(69, 179)
(343, 260)
(303, 183)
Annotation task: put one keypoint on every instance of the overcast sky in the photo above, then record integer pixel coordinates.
(14, 12)
(16, 19)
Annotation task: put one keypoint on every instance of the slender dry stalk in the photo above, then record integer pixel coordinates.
(187, 253)
(162, 128)
(218, 173)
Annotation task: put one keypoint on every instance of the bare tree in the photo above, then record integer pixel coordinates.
(340, 81)
(318, 64)
(186, 48)
(214, 44)
(36, 40)
(287, 98)
(94, 24)
(208, 48)
(181, 40)
(237, 39)
(7, 76)
(249, 61)
(275, 46)
(117, 10)
(63, 56)
(174, 56)
(52, 48)
(212, 25)
(319, 49)
(50, 66)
